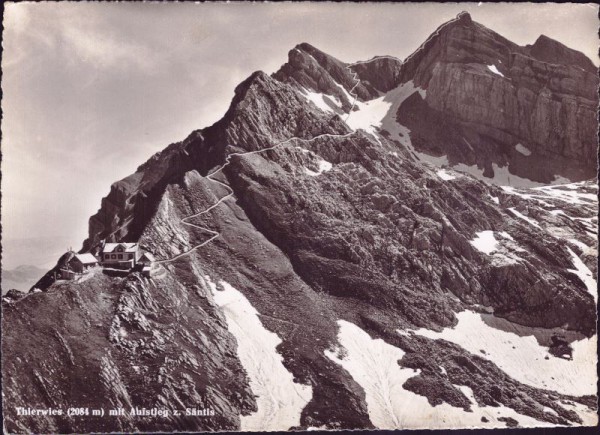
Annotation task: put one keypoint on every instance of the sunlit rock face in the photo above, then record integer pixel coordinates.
(357, 235)
(486, 94)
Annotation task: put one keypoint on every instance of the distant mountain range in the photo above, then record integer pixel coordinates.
(383, 244)
(21, 278)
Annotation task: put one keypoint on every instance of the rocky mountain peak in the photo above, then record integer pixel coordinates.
(464, 18)
(382, 73)
(322, 57)
(460, 40)
(544, 103)
(552, 51)
(257, 78)
(313, 70)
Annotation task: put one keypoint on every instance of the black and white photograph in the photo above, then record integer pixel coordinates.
(298, 216)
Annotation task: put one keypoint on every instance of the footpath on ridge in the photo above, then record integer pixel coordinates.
(215, 234)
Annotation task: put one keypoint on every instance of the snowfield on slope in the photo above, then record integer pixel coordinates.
(373, 364)
(381, 113)
(279, 399)
(584, 274)
(325, 102)
(522, 357)
(568, 193)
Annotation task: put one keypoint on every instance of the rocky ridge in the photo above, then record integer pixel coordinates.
(487, 93)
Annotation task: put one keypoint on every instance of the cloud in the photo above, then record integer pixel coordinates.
(21, 36)
(16, 18)
(103, 50)
(64, 31)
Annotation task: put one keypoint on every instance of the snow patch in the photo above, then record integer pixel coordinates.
(373, 364)
(324, 166)
(369, 115)
(503, 253)
(522, 358)
(325, 102)
(381, 113)
(485, 242)
(525, 218)
(557, 212)
(495, 199)
(571, 195)
(512, 191)
(580, 244)
(572, 186)
(543, 194)
(280, 400)
(493, 69)
(584, 274)
(522, 149)
(444, 175)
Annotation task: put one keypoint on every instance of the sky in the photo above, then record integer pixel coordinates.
(91, 90)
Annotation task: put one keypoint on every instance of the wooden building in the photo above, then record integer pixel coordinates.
(146, 261)
(82, 262)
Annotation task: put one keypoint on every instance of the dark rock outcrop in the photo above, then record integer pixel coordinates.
(382, 73)
(551, 51)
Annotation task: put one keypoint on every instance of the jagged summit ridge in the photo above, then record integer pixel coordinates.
(543, 103)
(312, 69)
(446, 53)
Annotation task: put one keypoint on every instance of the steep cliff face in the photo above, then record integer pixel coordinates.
(313, 70)
(342, 255)
(550, 51)
(382, 73)
(489, 95)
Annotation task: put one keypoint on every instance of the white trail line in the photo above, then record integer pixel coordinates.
(215, 234)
